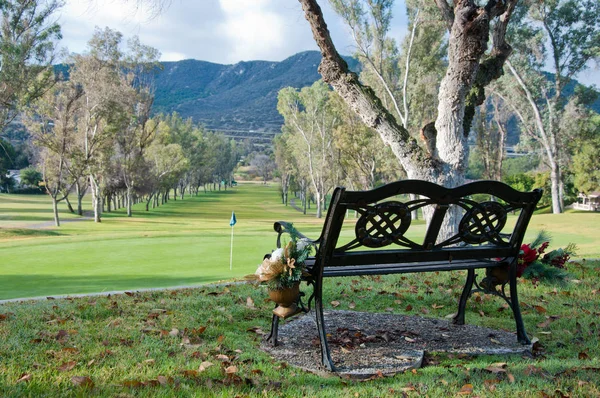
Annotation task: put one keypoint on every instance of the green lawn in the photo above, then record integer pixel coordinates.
(155, 343)
(161, 343)
(181, 243)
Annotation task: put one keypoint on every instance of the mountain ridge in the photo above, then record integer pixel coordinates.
(241, 96)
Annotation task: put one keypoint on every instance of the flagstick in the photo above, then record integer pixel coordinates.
(231, 252)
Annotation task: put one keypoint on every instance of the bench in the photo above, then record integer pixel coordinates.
(484, 240)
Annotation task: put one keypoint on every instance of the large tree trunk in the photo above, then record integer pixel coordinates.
(469, 33)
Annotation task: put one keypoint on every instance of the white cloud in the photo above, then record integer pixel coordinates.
(254, 31)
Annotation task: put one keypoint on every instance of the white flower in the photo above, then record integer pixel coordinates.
(277, 254)
(301, 244)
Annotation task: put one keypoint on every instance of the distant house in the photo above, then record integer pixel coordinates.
(589, 202)
(15, 175)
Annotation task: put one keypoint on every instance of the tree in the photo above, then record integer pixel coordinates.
(310, 122)
(52, 123)
(470, 69)
(264, 165)
(27, 44)
(567, 33)
(31, 177)
(585, 162)
(99, 73)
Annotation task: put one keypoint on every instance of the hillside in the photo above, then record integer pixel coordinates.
(233, 97)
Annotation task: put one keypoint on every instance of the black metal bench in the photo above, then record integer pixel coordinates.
(483, 241)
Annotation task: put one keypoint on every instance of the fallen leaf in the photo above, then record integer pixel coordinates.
(437, 307)
(149, 362)
(540, 309)
(511, 378)
(174, 332)
(24, 377)
(335, 303)
(352, 305)
(231, 369)
(495, 341)
(91, 362)
(467, 389)
(250, 302)
(409, 339)
(70, 350)
(205, 365)
(164, 380)
(82, 381)
(408, 308)
(129, 294)
(583, 355)
(65, 367)
(495, 369)
(222, 357)
(220, 339)
(190, 373)
(132, 384)
(256, 330)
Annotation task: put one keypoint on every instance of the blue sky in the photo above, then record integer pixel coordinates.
(220, 31)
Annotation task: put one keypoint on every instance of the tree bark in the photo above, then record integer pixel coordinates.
(469, 26)
(55, 211)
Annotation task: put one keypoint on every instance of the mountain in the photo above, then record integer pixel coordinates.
(240, 97)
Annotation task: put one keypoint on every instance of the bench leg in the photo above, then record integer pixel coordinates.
(514, 300)
(459, 319)
(325, 355)
(272, 338)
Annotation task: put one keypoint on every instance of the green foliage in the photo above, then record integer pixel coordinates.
(520, 164)
(520, 182)
(31, 177)
(586, 166)
(28, 36)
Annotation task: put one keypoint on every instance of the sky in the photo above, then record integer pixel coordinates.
(220, 31)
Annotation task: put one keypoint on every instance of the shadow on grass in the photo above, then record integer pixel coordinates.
(10, 232)
(23, 286)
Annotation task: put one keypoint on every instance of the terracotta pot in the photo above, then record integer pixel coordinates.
(286, 300)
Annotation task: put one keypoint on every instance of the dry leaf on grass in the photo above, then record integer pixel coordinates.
(65, 367)
(467, 389)
(24, 377)
(82, 381)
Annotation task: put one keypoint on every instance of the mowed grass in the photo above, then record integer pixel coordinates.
(204, 342)
(181, 243)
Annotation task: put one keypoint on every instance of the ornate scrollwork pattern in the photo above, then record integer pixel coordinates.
(383, 224)
(483, 222)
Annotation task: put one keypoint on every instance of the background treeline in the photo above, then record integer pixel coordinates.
(92, 132)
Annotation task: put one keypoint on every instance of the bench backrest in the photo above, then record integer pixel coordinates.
(379, 232)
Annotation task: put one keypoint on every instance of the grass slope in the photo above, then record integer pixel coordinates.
(181, 243)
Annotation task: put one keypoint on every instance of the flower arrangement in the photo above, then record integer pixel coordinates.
(534, 263)
(285, 266)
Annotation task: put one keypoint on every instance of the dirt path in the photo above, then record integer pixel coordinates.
(87, 215)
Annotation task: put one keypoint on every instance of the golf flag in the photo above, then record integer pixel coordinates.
(231, 224)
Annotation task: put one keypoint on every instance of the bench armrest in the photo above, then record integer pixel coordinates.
(282, 227)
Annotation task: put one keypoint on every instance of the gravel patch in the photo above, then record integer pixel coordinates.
(364, 344)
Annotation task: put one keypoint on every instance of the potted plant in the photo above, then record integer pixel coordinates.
(282, 271)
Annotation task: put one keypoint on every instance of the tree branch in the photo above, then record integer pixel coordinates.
(447, 12)
(362, 100)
